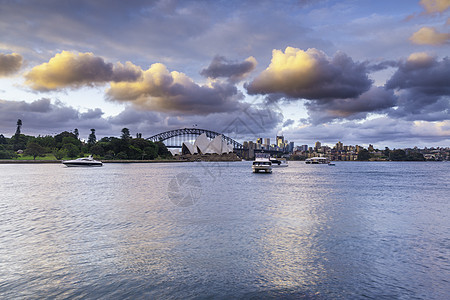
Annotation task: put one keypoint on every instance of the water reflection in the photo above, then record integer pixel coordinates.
(351, 231)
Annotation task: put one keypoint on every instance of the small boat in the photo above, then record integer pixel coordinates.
(331, 164)
(278, 162)
(317, 160)
(83, 162)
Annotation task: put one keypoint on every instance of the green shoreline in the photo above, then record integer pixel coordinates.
(16, 161)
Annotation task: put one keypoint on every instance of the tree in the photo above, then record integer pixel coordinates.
(3, 139)
(72, 150)
(59, 138)
(76, 133)
(92, 138)
(162, 150)
(34, 149)
(19, 125)
(398, 155)
(97, 150)
(59, 154)
(126, 134)
(363, 154)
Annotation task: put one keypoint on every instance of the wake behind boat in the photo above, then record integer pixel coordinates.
(83, 162)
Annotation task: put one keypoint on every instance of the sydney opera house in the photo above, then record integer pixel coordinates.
(203, 145)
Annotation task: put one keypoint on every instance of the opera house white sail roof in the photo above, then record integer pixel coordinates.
(203, 145)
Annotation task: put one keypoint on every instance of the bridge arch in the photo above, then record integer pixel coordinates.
(163, 136)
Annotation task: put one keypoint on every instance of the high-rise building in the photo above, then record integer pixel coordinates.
(259, 140)
(318, 145)
(280, 141)
(339, 146)
(291, 147)
(267, 141)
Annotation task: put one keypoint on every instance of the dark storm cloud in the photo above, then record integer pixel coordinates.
(377, 99)
(44, 117)
(235, 71)
(10, 64)
(68, 69)
(311, 75)
(422, 83)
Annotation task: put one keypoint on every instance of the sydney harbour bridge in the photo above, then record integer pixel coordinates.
(175, 138)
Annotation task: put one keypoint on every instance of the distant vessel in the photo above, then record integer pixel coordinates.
(262, 163)
(83, 162)
(317, 160)
(278, 162)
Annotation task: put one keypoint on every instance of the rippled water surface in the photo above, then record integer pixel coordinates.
(215, 230)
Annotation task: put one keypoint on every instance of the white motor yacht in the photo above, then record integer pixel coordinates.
(262, 166)
(83, 162)
(262, 163)
(317, 160)
(278, 162)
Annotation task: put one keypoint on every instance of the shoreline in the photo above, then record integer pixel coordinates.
(14, 161)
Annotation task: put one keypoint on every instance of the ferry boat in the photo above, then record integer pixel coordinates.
(317, 160)
(83, 162)
(262, 163)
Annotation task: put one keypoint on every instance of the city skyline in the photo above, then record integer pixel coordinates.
(354, 71)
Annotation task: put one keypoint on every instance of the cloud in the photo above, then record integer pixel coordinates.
(421, 83)
(381, 132)
(377, 99)
(68, 69)
(311, 75)
(160, 90)
(10, 64)
(44, 117)
(435, 6)
(221, 67)
(288, 123)
(429, 36)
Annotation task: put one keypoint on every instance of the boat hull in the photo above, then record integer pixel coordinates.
(262, 169)
(70, 164)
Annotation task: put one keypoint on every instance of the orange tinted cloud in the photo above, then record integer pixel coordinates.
(68, 69)
(429, 36)
(161, 90)
(435, 6)
(311, 74)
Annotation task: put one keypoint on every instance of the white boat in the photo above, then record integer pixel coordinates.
(83, 162)
(317, 160)
(262, 166)
(278, 162)
(262, 163)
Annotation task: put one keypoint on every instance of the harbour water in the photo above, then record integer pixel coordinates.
(357, 230)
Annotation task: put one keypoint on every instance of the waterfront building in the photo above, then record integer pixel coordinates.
(202, 145)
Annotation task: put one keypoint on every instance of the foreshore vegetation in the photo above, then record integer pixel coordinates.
(68, 145)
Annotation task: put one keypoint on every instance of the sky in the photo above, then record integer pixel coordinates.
(357, 71)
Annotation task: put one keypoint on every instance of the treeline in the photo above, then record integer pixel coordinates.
(68, 145)
(391, 155)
